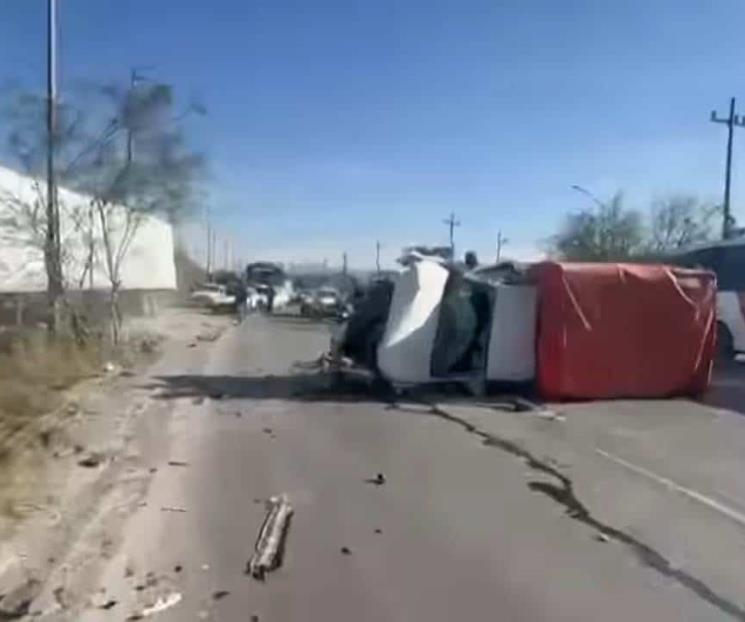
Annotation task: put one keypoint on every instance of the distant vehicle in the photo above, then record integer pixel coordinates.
(254, 299)
(264, 275)
(212, 296)
(726, 259)
(324, 302)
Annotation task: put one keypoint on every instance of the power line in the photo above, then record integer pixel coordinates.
(731, 121)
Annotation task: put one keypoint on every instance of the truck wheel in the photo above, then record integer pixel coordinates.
(725, 343)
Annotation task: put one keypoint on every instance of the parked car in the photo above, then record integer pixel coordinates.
(726, 259)
(212, 296)
(324, 302)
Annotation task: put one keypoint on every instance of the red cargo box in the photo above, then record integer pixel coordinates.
(623, 330)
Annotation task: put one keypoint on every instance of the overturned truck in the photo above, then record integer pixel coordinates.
(435, 323)
(571, 331)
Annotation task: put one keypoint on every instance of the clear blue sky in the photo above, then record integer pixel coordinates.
(334, 123)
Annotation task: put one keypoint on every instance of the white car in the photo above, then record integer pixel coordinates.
(726, 259)
(325, 301)
(212, 296)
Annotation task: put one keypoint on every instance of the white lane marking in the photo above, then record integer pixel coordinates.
(688, 492)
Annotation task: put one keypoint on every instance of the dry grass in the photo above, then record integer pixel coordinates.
(34, 370)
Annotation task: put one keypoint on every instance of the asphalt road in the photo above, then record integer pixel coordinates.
(454, 533)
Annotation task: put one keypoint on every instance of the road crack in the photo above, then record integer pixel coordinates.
(562, 492)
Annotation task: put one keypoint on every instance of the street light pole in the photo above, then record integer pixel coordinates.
(51, 247)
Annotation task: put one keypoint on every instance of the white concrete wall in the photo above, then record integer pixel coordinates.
(149, 264)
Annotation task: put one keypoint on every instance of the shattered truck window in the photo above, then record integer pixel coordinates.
(465, 315)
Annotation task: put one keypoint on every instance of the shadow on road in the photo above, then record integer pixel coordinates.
(305, 387)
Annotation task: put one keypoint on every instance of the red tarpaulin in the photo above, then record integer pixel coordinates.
(623, 330)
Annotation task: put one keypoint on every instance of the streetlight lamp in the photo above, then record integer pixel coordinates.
(589, 194)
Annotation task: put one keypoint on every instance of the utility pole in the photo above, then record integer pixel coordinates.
(134, 79)
(501, 241)
(213, 249)
(377, 256)
(52, 255)
(344, 263)
(452, 223)
(731, 121)
(208, 263)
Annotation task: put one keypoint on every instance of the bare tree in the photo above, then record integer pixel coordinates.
(125, 152)
(24, 217)
(150, 171)
(680, 221)
(607, 232)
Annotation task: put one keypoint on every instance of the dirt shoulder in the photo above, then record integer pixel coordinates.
(72, 475)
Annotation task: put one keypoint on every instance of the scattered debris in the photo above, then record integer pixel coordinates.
(181, 463)
(92, 460)
(134, 617)
(238, 413)
(109, 604)
(149, 344)
(110, 367)
(163, 603)
(219, 594)
(153, 470)
(59, 596)
(378, 530)
(270, 543)
(45, 438)
(378, 480)
(192, 345)
(127, 373)
(601, 537)
(15, 604)
(139, 587)
(521, 404)
(178, 568)
(128, 572)
(267, 431)
(345, 550)
(205, 566)
(254, 618)
(168, 508)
